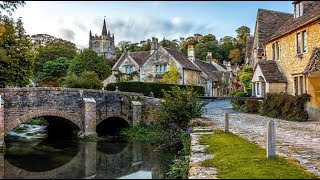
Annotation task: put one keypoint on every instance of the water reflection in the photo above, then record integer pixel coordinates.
(69, 158)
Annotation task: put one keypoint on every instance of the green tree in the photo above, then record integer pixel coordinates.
(54, 70)
(10, 6)
(172, 76)
(179, 106)
(245, 76)
(51, 50)
(226, 44)
(89, 60)
(16, 59)
(235, 56)
(242, 33)
(86, 80)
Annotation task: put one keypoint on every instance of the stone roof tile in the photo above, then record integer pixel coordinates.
(271, 71)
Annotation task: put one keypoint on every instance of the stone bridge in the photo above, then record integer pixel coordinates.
(83, 107)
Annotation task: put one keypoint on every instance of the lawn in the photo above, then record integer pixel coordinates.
(236, 157)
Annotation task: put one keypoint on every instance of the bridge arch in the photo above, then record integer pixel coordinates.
(31, 115)
(112, 125)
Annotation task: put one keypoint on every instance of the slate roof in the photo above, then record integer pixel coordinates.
(309, 15)
(139, 57)
(314, 62)
(270, 21)
(271, 72)
(209, 69)
(182, 59)
(249, 45)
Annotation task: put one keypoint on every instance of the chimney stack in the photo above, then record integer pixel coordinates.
(191, 53)
(209, 57)
(154, 45)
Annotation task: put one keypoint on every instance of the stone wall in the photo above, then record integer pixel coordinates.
(191, 77)
(276, 87)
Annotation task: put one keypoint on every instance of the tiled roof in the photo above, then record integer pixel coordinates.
(314, 62)
(270, 21)
(209, 69)
(291, 24)
(271, 72)
(182, 59)
(249, 45)
(140, 57)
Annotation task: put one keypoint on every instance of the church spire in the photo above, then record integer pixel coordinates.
(104, 28)
(90, 35)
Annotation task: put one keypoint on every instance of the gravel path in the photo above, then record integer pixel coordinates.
(298, 140)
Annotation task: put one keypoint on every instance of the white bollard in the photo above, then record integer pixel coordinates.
(271, 140)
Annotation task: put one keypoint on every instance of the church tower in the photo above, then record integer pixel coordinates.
(103, 44)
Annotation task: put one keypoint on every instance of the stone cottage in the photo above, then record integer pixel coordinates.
(292, 55)
(150, 66)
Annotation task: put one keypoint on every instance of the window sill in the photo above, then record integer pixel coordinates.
(300, 55)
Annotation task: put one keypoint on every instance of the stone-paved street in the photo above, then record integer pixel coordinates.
(298, 140)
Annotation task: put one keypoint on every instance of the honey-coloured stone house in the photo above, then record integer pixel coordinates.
(291, 55)
(150, 66)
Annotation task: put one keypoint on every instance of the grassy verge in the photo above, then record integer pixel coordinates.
(236, 157)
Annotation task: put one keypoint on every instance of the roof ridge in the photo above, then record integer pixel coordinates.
(274, 11)
(138, 51)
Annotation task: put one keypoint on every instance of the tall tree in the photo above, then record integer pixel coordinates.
(10, 6)
(16, 59)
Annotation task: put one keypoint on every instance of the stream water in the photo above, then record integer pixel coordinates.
(31, 154)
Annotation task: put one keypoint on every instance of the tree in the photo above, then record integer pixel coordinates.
(226, 44)
(245, 76)
(235, 56)
(89, 60)
(242, 33)
(51, 50)
(54, 70)
(10, 6)
(172, 76)
(86, 80)
(16, 59)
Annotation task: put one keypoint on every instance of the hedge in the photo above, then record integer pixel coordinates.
(146, 87)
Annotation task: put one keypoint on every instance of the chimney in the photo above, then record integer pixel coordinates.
(228, 65)
(191, 53)
(209, 57)
(154, 45)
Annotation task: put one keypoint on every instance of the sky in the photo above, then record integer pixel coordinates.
(139, 20)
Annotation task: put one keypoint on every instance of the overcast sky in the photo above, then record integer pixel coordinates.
(136, 21)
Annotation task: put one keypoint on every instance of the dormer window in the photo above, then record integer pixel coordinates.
(298, 9)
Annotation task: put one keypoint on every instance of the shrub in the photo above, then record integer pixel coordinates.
(146, 87)
(285, 106)
(87, 80)
(251, 106)
(237, 104)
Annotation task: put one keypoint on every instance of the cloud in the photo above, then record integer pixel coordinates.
(135, 30)
(80, 26)
(67, 34)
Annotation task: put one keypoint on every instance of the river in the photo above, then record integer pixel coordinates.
(31, 154)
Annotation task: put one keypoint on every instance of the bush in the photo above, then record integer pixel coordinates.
(285, 106)
(237, 104)
(146, 87)
(86, 80)
(251, 106)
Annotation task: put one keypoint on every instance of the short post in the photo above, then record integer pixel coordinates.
(136, 112)
(226, 122)
(117, 89)
(90, 116)
(1, 122)
(271, 140)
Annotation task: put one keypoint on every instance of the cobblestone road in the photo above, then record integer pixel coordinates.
(298, 140)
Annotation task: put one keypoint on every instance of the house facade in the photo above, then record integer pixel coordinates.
(151, 66)
(294, 50)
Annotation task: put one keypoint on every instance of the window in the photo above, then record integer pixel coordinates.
(298, 43)
(275, 51)
(298, 9)
(258, 89)
(301, 84)
(301, 42)
(129, 69)
(296, 86)
(304, 41)
(161, 68)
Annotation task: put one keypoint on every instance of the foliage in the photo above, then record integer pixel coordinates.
(172, 76)
(37, 121)
(89, 60)
(49, 48)
(235, 56)
(285, 106)
(21, 129)
(178, 107)
(10, 6)
(144, 134)
(16, 59)
(245, 76)
(86, 80)
(238, 158)
(146, 87)
(53, 70)
(237, 104)
(251, 106)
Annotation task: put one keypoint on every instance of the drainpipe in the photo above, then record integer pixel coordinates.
(182, 76)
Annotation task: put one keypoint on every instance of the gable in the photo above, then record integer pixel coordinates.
(270, 71)
(314, 62)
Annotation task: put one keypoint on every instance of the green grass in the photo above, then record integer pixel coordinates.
(236, 157)
(206, 130)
